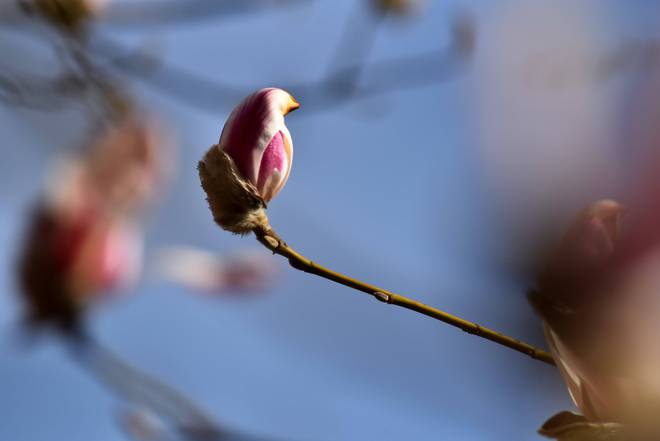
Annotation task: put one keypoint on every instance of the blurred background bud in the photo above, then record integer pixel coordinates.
(128, 163)
(598, 296)
(67, 260)
(84, 236)
(397, 7)
(245, 272)
(67, 14)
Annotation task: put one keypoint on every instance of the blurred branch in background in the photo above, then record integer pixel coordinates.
(176, 12)
(67, 26)
(166, 414)
(211, 96)
(151, 13)
(355, 45)
(383, 76)
(95, 56)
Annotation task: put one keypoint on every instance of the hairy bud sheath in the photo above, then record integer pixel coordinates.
(251, 163)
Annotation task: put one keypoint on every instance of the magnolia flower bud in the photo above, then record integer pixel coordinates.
(252, 161)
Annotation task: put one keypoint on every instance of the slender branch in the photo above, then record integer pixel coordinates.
(355, 44)
(202, 93)
(182, 418)
(176, 12)
(274, 243)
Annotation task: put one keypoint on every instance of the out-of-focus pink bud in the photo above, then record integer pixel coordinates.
(587, 243)
(127, 164)
(83, 239)
(565, 297)
(109, 258)
(67, 14)
(67, 261)
(399, 7)
(252, 161)
(598, 297)
(215, 275)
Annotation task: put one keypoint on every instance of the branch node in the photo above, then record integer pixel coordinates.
(274, 243)
(381, 296)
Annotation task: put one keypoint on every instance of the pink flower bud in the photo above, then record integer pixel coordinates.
(252, 161)
(258, 142)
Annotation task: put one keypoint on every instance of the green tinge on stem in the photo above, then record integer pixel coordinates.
(275, 244)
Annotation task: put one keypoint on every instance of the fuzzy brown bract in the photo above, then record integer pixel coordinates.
(235, 203)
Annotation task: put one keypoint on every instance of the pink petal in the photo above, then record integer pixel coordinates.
(241, 136)
(273, 168)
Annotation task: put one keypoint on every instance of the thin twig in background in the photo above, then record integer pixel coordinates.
(209, 95)
(133, 386)
(176, 12)
(355, 44)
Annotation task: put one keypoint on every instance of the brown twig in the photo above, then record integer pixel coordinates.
(274, 243)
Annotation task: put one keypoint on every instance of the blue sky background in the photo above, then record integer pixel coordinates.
(408, 190)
